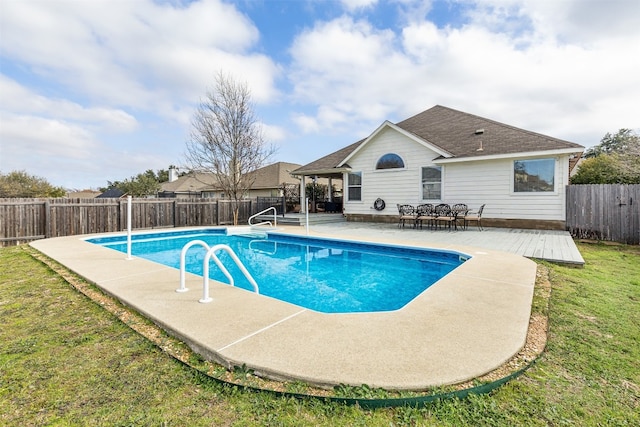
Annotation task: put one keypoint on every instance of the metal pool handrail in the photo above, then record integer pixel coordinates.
(183, 256)
(275, 222)
(205, 274)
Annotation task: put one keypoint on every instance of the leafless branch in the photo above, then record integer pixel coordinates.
(226, 139)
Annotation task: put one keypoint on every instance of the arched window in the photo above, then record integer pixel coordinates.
(390, 161)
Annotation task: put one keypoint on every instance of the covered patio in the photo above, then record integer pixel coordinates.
(323, 170)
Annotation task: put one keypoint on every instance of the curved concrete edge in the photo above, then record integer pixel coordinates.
(464, 326)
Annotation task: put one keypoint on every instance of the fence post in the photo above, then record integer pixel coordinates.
(175, 213)
(120, 226)
(47, 219)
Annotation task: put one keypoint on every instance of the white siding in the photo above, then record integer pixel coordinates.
(474, 183)
(264, 192)
(490, 183)
(392, 185)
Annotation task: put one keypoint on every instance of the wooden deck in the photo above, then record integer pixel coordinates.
(551, 245)
(300, 218)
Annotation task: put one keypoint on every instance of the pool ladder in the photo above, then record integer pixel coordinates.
(211, 254)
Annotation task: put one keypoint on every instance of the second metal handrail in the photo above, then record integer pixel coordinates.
(275, 212)
(211, 254)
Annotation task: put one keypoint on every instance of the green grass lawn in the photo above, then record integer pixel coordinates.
(65, 360)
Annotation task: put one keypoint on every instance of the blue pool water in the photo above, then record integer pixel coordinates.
(329, 276)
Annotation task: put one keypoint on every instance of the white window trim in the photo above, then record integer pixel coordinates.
(556, 165)
(375, 164)
(348, 200)
(442, 168)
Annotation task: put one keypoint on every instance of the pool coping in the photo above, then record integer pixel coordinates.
(465, 325)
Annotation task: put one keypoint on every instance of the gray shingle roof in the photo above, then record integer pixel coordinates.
(192, 182)
(274, 175)
(330, 161)
(271, 176)
(455, 132)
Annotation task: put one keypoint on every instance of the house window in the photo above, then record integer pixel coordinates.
(354, 186)
(390, 161)
(432, 183)
(533, 176)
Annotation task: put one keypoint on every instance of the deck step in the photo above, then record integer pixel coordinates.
(247, 230)
(300, 219)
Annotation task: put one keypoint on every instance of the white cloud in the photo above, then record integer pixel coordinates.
(107, 89)
(39, 145)
(89, 70)
(44, 138)
(345, 65)
(141, 54)
(19, 99)
(71, 155)
(274, 134)
(583, 22)
(352, 5)
(513, 61)
(306, 123)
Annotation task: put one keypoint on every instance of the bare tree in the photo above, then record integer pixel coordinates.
(226, 140)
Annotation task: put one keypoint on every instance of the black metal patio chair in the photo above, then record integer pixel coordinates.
(424, 212)
(459, 210)
(444, 215)
(406, 212)
(474, 216)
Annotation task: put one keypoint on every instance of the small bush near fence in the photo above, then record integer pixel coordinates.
(24, 220)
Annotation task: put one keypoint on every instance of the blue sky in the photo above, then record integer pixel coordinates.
(101, 90)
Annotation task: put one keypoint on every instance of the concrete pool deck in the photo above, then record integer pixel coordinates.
(467, 324)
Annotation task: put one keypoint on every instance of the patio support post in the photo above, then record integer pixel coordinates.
(313, 195)
(303, 196)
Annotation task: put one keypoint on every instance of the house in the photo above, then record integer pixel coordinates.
(111, 193)
(83, 194)
(447, 156)
(268, 183)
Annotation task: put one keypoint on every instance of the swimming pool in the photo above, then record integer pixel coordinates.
(325, 275)
(466, 324)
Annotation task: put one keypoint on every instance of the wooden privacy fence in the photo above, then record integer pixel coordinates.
(263, 203)
(604, 212)
(24, 220)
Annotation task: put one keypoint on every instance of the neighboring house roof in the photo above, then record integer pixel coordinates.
(83, 194)
(271, 176)
(274, 175)
(111, 193)
(458, 136)
(191, 182)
